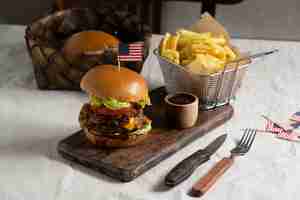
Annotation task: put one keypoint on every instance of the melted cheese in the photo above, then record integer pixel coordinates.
(130, 125)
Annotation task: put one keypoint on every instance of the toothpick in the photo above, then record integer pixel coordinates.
(119, 64)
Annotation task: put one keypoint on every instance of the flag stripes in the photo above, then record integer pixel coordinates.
(280, 132)
(272, 127)
(131, 52)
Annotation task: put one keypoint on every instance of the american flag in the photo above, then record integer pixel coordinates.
(280, 132)
(131, 51)
(295, 117)
(272, 127)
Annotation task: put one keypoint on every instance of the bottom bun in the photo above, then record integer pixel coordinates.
(103, 141)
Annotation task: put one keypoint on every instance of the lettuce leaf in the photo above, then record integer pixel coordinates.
(95, 101)
(110, 103)
(115, 104)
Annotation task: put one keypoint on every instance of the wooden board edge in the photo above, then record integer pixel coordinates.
(130, 175)
(122, 175)
(171, 150)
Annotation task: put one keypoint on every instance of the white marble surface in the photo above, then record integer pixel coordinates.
(33, 121)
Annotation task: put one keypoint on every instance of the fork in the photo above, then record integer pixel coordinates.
(207, 181)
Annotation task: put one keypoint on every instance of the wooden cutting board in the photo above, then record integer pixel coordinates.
(128, 163)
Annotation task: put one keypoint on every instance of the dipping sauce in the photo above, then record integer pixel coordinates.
(181, 109)
(182, 98)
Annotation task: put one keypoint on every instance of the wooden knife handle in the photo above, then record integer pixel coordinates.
(207, 181)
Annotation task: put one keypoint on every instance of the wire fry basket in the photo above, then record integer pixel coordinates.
(212, 90)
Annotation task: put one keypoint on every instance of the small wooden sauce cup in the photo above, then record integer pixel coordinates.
(181, 109)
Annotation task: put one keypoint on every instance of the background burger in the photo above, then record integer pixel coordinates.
(87, 48)
(114, 115)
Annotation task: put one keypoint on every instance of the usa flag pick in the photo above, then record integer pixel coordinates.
(280, 132)
(295, 117)
(295, 120)
(131, 51)
(272, 127)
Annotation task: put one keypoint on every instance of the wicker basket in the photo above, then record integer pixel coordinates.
(213, 90)
(45, 39)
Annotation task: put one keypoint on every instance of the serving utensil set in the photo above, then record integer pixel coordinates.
(186, 167)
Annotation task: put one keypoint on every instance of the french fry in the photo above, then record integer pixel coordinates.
(200, 65)
(173, 41)
(186, 37)
(171, 55)
(219, 40)
(219, 51)
(230, 54)
(186, 53)
(164, 43)
(186, 62)
(201, 53)
(215, 63)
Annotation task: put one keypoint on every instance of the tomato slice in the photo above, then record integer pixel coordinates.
(106, 111)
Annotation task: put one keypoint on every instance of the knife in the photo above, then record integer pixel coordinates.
(185, 168)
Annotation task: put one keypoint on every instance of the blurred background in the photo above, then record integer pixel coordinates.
(267, 19)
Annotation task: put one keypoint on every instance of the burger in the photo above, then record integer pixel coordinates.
(114, 116)
(86, 48)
